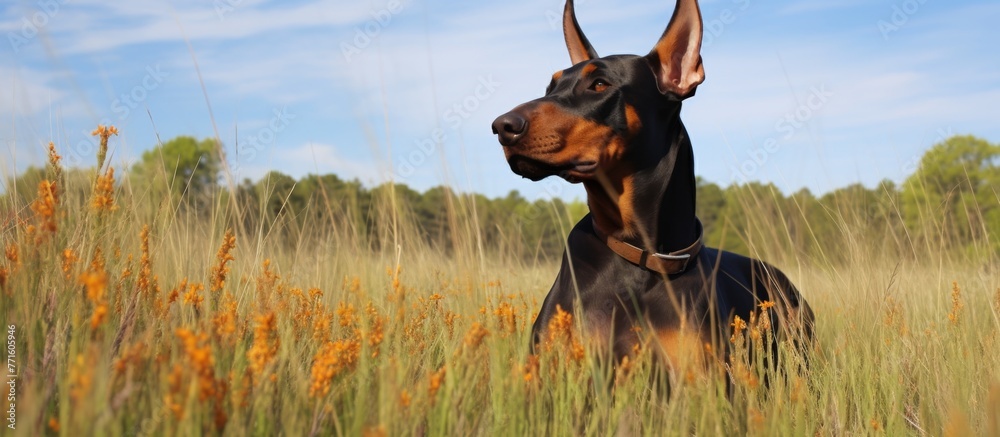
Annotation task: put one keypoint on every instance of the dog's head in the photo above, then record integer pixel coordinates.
(586, 123)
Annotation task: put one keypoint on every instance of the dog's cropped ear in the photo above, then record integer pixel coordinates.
(676, 59)
(580, 49)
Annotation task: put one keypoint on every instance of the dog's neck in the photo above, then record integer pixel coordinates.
(650, 205)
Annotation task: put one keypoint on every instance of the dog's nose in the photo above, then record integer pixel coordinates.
(510, 127)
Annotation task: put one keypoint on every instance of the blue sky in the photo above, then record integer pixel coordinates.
(802, 93)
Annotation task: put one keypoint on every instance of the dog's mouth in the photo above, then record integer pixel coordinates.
(537, 170)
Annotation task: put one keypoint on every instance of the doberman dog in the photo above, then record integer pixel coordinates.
(635, 272)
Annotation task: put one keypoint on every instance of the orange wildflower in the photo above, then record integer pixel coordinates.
(475, 335)
(876, 426)
(104, 188)
(131, 355)
(104, 132)
(956, 304)
(266, 283)
(45, 206)
(561, 331)
(435, 382)
(199, 357)
(225, 321)
(265, 344)
(54, 159)
(322, 320)
(345, 313)
(507, 315)
(192, 296)
(95, 282)
(531, 368)
(68, 259)
(145, 262)
(80, 378)
(221, 269)
(11, 253)
(4, 276)
(99, 316)
(738, 327)
(332, 359)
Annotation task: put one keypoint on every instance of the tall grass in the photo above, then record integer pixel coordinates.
(140, 316)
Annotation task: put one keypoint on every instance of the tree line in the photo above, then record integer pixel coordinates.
(950, 202)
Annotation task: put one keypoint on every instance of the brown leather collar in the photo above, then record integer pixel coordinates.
(673, 263)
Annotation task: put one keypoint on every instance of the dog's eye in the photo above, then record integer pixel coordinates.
(600, 86)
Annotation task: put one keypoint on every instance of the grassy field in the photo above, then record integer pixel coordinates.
(139, 317)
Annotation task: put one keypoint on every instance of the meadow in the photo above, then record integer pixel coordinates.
(134, 315)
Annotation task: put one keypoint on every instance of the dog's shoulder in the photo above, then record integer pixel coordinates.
(742, 278)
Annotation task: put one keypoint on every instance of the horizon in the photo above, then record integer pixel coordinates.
(841, 94)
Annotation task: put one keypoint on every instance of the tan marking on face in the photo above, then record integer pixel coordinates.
(557, 75)
(587, 69)
(612, 199)
(558, 137)
(632, 121)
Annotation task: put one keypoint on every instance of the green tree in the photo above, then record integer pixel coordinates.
(952, 198)
(278, 193)
(183, 168)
